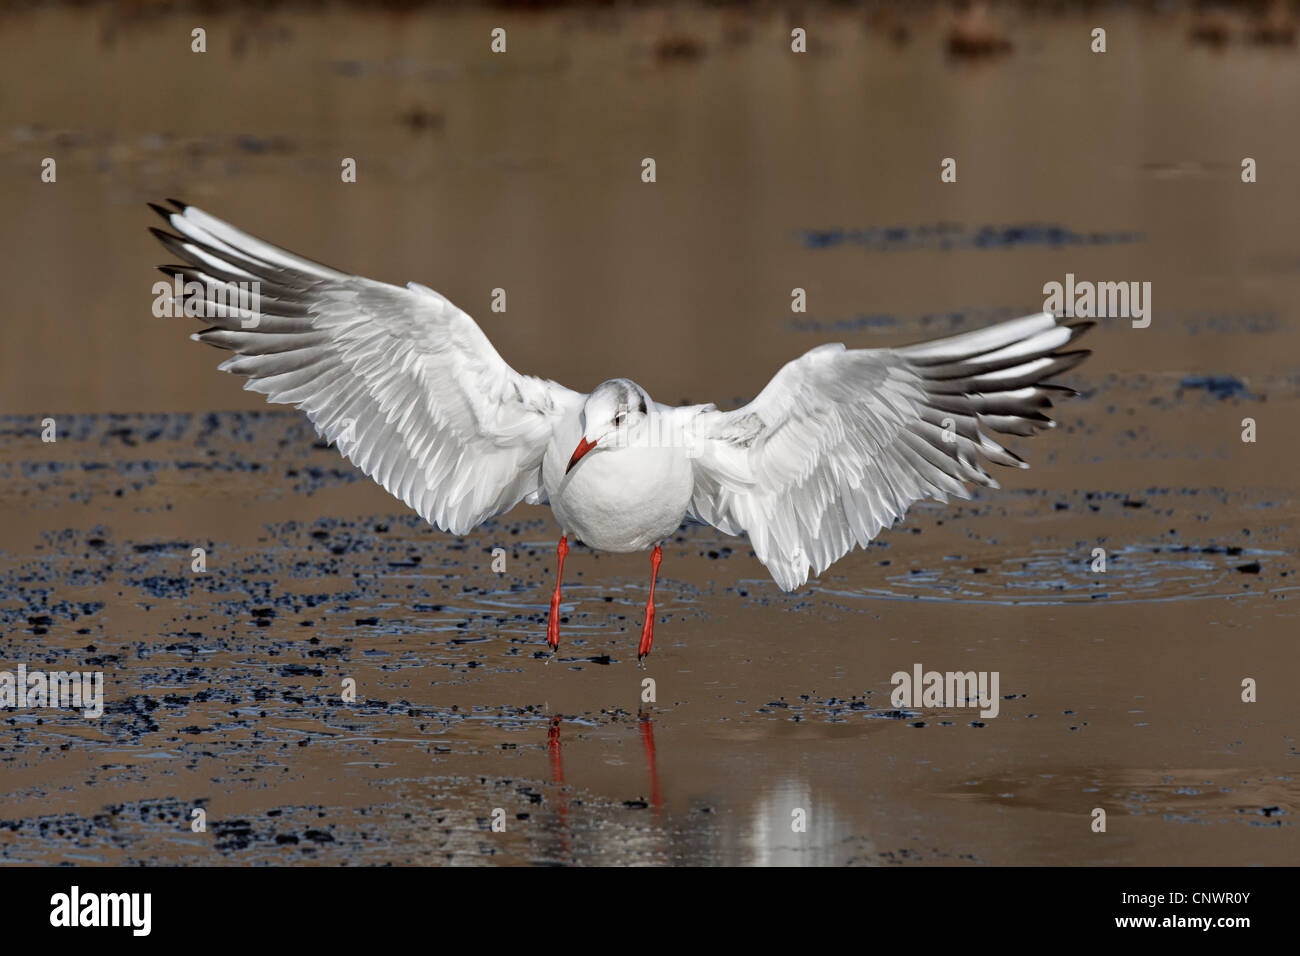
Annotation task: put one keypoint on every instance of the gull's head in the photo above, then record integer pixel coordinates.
(613, 415)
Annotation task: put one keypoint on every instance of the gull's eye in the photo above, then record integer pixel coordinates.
(618, 419)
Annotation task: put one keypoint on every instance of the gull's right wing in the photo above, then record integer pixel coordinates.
(404, 383)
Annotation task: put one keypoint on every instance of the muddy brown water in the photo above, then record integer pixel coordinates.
(1121, 690)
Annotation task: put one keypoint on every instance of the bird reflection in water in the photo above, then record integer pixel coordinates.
(555, 749)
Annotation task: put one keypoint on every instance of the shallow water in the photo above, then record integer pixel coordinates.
(1119, 690)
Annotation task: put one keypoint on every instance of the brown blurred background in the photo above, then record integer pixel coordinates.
(775, 170)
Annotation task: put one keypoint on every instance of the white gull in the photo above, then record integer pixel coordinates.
(407, 386)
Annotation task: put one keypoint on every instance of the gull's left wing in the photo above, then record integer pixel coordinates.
(841, 442)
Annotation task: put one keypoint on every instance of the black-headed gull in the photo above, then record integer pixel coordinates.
(836, 447)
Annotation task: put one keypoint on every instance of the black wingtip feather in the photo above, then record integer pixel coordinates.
(173, 244)
(200, 337)
(1075, 357)
(180, 206)
(1077, 329)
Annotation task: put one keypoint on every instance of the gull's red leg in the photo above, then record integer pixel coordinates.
(648, 628)
(553, 624)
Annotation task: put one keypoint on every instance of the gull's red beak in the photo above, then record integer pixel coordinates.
(584, 446)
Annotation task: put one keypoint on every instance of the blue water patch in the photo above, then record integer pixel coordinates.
(1220, 386)
(949, 236)
(1224, 323)
(938, 323)
(144, 428)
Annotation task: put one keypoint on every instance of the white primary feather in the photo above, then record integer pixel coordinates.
(403, 382)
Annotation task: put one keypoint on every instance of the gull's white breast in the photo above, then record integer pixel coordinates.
(618, 498)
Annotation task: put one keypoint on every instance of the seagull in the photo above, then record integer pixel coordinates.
(408, 388)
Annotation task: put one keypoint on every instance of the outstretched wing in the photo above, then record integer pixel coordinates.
(841, 442)
(405, 384)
